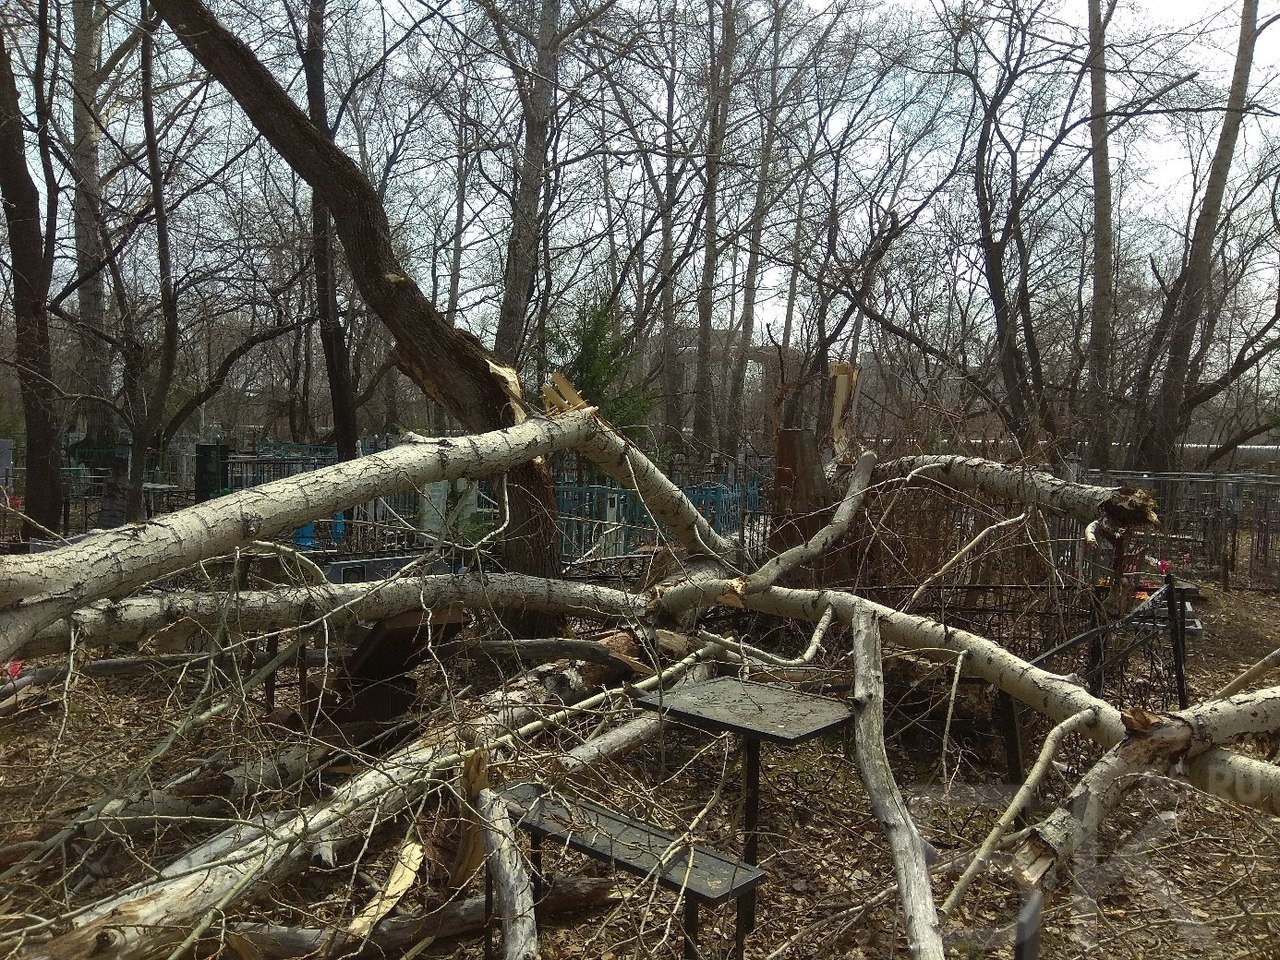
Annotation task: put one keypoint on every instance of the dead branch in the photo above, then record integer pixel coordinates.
(1116, 507)
(512, 887)
(395, 935)
(823, 541)
(1019, 803)
(1153, 743)
(924, 934)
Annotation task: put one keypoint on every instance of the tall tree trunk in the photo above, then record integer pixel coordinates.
(672, 365)
(450, 365)
(148, 414)
(722, 58)
(1158, 450)
(734, 414)
(461, 171)
(95, 354)
(1012, 369)
(1098, 388)
(333, 338)
(537, 88)
(31, 273)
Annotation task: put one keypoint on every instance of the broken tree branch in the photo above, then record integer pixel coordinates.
(924, 934)
(513, 889)
(1019, 803)
(821, 542)
(1116, 507)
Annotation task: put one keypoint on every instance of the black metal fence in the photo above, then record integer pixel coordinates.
(1220, 527)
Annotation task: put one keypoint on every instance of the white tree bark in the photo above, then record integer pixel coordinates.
(1117, 507)
(183, 617)
(512, 886)
(38, 590)
(924, 934)
(824, 540)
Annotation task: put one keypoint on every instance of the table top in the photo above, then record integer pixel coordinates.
(762, 710)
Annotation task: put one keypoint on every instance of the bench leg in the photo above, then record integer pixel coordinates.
(690, 928)
(751, 828)
(744, 923)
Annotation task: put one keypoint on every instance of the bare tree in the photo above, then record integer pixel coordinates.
(31, 260)
(449, 364)
(1157, 446)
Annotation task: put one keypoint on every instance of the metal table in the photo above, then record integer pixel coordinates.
(754, 711)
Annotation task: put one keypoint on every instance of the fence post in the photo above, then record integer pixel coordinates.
(1177, 636)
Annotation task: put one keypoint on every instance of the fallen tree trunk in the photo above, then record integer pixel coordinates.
(396, 935)
(39, 590)
(1216, 770)
(1116, 507)
(1153, 744)
(203, 885)
(180, 618)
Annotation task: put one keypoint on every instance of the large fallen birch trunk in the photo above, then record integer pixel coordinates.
(38, 590)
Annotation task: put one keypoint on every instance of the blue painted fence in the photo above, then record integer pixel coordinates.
(600, 522)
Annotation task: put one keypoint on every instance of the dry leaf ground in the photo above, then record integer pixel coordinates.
(1184, 875)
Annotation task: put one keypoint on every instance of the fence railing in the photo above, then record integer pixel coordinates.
(1224, 527)
(601, 522)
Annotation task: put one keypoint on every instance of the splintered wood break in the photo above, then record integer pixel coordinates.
(560, 396)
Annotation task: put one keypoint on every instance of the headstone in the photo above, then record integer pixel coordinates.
(433, 507)
(213, 470)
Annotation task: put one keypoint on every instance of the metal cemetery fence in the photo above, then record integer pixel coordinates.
(600, 522)
(1224, 527)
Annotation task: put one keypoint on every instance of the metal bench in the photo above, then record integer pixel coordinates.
(701, 874)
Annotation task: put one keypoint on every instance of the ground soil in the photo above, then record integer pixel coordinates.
(1184, 875)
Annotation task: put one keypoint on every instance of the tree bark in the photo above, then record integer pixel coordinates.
(1101, 310)
(451, 365)
(39, 590)
(537, 89)
(1158, 448)
(87, 17)
(31, 275)
(148, 413)
(705, 442)
(333, 339)
(924, 934)
(510, 880)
